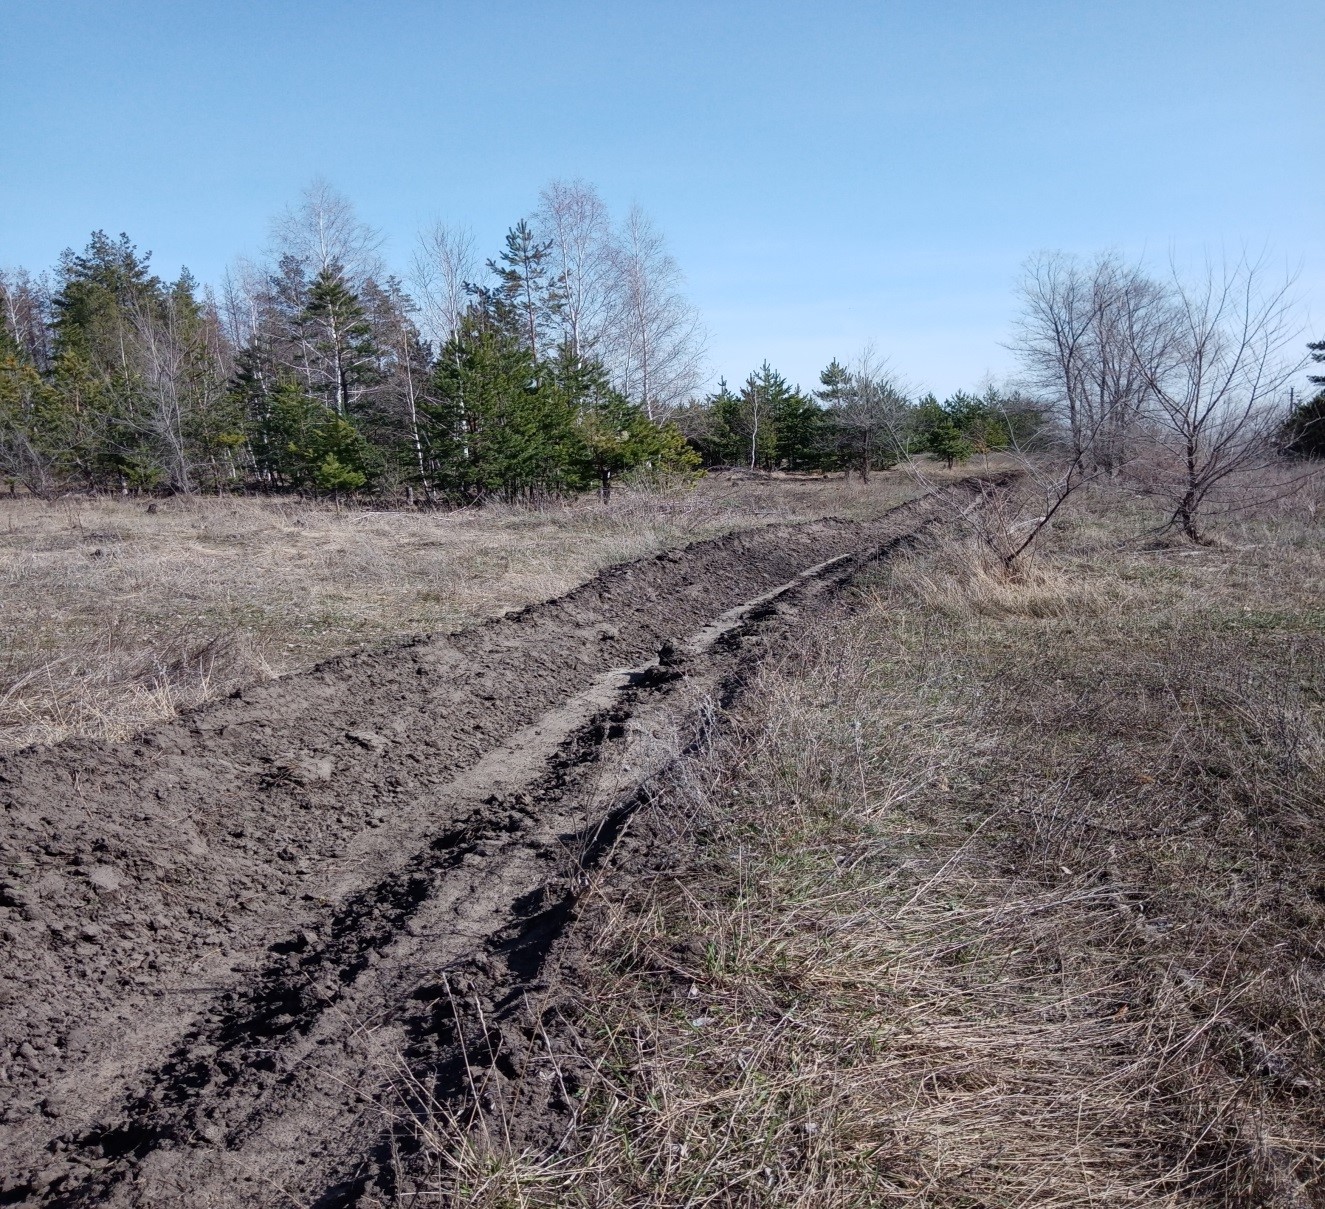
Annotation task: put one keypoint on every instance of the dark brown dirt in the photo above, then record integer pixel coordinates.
(222, 938)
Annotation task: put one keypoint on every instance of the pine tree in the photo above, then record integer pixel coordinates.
(27, 453)
(336, 330)
(938, 433)
(103, 292)
(867, 417)
(304, 445)
(525, 299)
(981, 419)
(949, 444)
(614, 435)
(492, 426)
(98, 291)
(798, 423)
(727, 434)
(761, 397)
(1304, 430)
(313, 377)
(835, 378)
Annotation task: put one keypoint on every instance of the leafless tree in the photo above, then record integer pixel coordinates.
(1217, 371)
(164, 358)
(1076, 338)
(25, 314)
(1017, 506)
(25, 305)
(444, 260)
(869, 414)
(412, 382)
(574, 219)
(402, 364)
(243, 286)
(659, 341)
(182, 377)
(323, 230)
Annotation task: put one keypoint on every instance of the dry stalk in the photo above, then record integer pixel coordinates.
(1006, 893)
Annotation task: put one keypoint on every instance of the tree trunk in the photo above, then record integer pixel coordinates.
(1187, 516)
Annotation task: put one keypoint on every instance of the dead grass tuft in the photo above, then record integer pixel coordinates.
(997, 893)
(965, 579)
(114, 684)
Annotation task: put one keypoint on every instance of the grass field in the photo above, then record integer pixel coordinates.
(1002, 893)
(116, 613)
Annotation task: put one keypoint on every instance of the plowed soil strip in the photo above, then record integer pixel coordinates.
(218, 934)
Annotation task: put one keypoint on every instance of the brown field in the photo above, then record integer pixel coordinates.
(996, 893)
(884, 878)
(114, 616)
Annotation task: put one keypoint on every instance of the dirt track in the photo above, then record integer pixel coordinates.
(221, 938)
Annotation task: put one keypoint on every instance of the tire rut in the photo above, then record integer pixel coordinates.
(226, 933)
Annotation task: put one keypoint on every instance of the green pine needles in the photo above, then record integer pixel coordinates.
(314, 379)
(565, 370)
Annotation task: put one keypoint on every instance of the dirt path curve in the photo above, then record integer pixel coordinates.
(216, 936)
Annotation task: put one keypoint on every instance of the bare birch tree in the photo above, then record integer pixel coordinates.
(659, 341)
(323, 231)
(164, 359)
(574, 219)
(243, 286)
(182, 375)
(444, 260)
(24, 456)
(403, 363)
(25, 314)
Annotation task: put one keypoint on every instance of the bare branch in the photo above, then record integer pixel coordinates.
(444, 260)
(574, 219)
(323, 231)
(658, 353)
(1217, 371)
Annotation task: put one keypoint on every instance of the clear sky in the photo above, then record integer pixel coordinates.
(828, 174)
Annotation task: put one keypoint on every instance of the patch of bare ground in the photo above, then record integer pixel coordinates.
(218, 935)
(117, 613)
(988, 892)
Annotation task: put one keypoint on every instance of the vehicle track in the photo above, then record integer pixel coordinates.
(226, 939)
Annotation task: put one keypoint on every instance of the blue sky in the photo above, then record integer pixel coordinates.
(828, 174)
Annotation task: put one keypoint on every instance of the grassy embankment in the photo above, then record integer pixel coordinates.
(1001, 893)
(113, 616)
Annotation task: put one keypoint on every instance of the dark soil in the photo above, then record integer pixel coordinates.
(233, 943)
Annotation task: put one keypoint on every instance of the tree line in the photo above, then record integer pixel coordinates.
(1179, 386)
(572, 358)
(565, 361)
(553, 367)
(861, 419)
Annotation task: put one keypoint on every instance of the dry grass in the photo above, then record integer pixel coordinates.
(1003, 893)
(112, 617)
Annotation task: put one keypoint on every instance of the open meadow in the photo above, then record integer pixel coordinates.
(118, 612)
